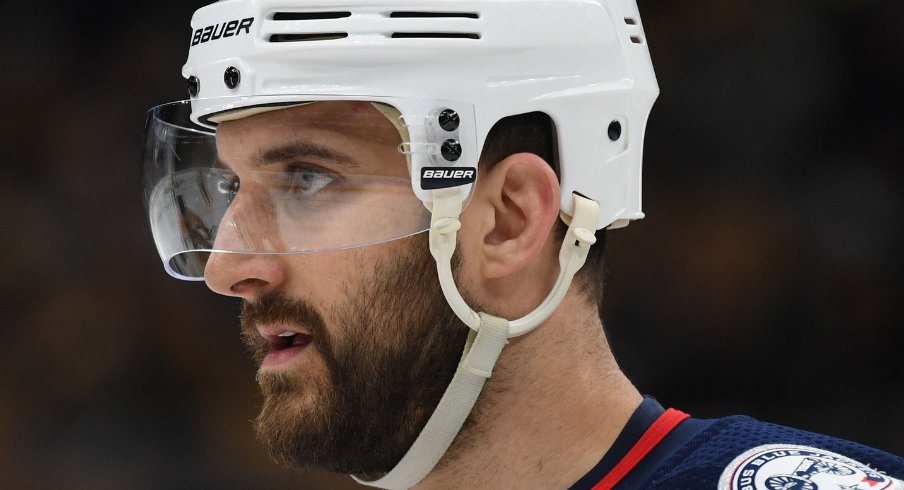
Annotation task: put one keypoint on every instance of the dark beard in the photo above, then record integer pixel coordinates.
(387, 363)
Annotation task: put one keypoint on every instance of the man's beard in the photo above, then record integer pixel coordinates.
(384, 367)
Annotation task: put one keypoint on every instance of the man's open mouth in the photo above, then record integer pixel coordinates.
(285, 345)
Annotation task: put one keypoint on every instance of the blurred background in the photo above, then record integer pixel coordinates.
(766, 280)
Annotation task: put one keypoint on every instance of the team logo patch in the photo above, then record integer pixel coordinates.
(790, 467)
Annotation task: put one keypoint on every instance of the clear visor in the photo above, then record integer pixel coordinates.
(292, 178)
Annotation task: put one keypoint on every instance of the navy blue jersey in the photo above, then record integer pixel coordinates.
(740, 453)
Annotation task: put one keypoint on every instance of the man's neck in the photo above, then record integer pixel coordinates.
(554, 406)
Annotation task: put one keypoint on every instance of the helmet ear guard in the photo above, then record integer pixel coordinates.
(572, 254)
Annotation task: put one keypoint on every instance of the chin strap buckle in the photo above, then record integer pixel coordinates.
(446, 226)
(585, 236)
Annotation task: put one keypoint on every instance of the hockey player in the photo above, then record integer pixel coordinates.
(404, 195)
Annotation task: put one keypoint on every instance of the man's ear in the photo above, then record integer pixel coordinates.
(520, 204)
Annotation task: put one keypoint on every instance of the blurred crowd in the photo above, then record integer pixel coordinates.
(765, 280)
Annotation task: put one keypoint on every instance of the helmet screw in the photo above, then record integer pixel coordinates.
(232, 77)
(449, 120)
(451, 150)
(614, 130)
(194, 86)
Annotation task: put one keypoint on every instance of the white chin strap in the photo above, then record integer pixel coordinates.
(488, 336)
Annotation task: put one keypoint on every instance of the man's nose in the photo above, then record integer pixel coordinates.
(246, 275)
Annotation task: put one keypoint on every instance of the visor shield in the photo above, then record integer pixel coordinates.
(297, 178)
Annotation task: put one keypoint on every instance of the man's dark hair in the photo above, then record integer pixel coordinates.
(535, 133)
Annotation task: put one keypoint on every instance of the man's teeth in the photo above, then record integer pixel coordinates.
(287, 334)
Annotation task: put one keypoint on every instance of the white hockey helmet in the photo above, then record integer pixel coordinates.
(583, 63)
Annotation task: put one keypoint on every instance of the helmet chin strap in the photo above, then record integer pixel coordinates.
(488, 334)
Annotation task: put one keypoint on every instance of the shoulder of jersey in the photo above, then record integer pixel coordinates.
(740, 453)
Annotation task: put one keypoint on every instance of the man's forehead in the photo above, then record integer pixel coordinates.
(329, 114)
(347, 133)
(331, 122)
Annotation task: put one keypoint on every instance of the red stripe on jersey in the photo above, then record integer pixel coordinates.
(654, 434)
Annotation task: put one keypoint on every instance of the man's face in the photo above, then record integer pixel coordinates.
(356, 347)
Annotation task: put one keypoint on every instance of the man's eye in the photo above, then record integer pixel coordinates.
(308, 180)
(228, 185)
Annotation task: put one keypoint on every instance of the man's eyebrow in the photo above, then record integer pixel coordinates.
(303, 149)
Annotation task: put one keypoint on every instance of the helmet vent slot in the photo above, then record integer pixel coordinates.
(630, 21)
(636, 40)
(435, 35)
(310, 15)
(434, 15)
(320, 36)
